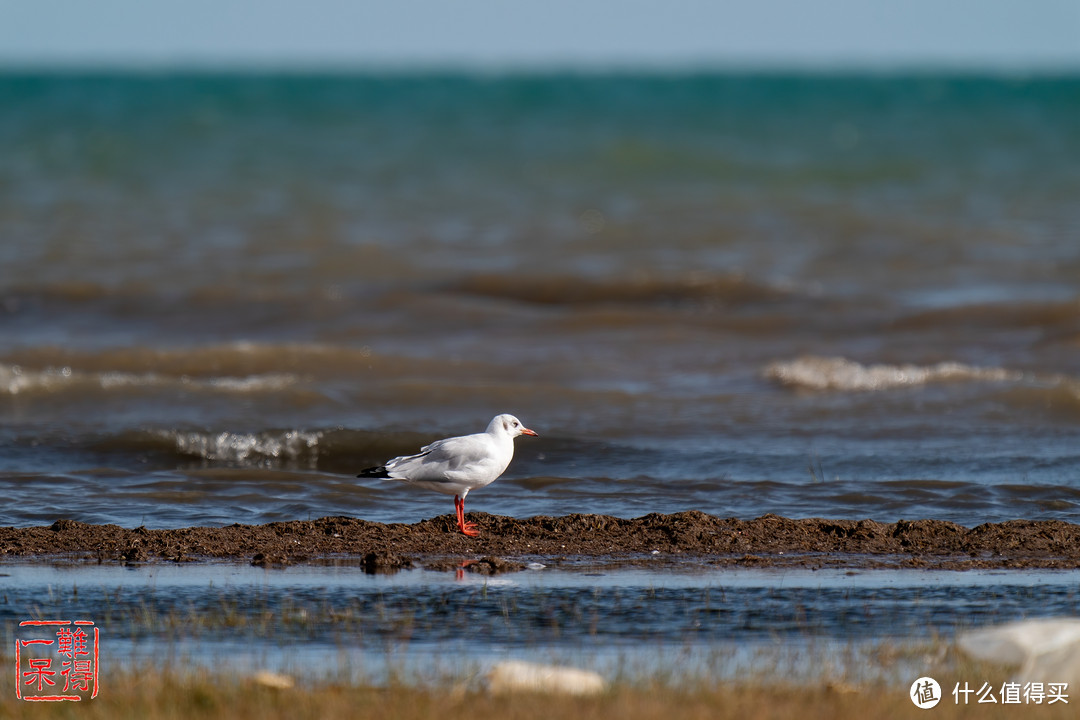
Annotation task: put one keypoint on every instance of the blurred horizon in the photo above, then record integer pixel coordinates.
(463, 72)
(838, 36)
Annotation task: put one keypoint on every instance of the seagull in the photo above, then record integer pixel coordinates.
(456, 465)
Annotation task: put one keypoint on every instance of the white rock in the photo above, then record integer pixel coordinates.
(518, 676)
(273, 680)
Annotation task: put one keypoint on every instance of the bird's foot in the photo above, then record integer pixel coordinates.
(469, 528)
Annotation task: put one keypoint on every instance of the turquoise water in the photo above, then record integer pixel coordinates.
(222, 295)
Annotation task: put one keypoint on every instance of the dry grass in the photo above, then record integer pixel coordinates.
(153, 696)
(170, 690)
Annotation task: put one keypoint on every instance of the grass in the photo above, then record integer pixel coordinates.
(165, 695)
(154, 697)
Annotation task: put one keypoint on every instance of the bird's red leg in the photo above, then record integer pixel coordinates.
(460, 570)
(467, 528)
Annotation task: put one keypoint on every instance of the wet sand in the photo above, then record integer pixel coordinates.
(508, 543)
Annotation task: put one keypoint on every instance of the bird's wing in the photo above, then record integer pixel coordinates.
(457, 458)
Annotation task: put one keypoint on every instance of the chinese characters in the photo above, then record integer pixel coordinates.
(56, 660)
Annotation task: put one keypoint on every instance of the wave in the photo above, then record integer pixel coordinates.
(236, 367)
(837, 373)
(241, 367)
(733, 289)
(332, 449)
(15, 380)
(244, 447)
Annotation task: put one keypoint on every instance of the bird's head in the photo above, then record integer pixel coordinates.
(509, 425)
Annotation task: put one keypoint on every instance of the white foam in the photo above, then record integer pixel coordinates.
(837, 373)
(15, 379)
(240, 447)
(253, 383)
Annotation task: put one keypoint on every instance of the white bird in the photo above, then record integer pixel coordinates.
(456, 465)
(1044, 648)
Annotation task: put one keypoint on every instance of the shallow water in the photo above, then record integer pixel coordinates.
(221, 296)
(627, 623)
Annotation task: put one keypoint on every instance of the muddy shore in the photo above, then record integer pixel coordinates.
(508, 543)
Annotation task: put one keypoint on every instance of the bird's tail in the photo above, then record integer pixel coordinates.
(379, 472)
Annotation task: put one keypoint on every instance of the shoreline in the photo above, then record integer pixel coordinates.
(505, 543)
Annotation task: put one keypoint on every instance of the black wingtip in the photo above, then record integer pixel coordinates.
(374, 472)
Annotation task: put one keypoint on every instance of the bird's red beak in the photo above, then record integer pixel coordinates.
(527, 431)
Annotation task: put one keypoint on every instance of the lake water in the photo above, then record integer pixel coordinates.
(812, 295)
(686, 625)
